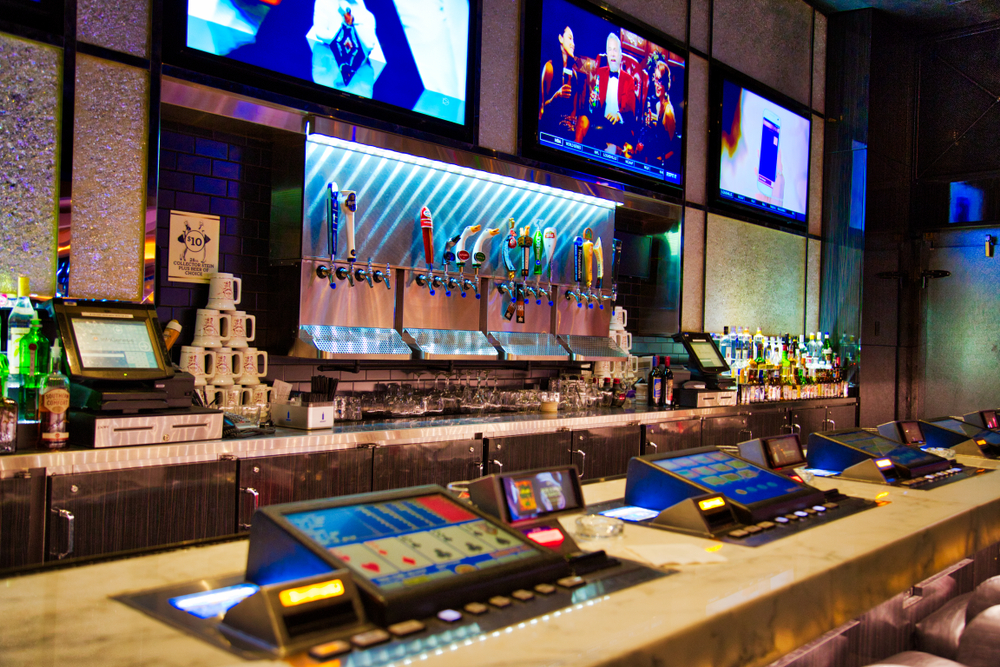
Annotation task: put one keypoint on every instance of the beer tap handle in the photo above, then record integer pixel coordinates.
(333, 211)
(348, 205)
(343, 272)
(384, 277)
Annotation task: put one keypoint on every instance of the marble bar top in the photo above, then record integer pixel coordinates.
(745, 612)
(353, 434)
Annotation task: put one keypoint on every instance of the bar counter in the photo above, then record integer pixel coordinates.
(751, 609)
(374, 433)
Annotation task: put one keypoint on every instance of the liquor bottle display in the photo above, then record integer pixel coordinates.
(53, 405)
(777, 368)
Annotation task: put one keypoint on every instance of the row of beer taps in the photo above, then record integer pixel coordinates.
(537, 251)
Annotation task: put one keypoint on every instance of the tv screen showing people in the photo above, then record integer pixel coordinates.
(608, 94)
(764, 154)
(407, 53)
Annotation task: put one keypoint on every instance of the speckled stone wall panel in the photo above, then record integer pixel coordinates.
(769, 40)
(669, 16)
(498, 77)
(116, 25)
(693, 290)
(961, 369)
(754, 276)
(701, 22)
(819, 63)
(696, 151)
(110, 136)
(815, 210)
(814, 259)
(30, 109)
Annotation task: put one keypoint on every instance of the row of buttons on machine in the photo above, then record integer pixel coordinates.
(406, 628)
(933, 477)
(785, 520)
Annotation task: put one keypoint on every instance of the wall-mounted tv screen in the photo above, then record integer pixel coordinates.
(407, 55)
(601, 90)
(762, 150)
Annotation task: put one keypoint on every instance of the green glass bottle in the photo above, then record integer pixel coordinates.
(8, 412)
(33, 356)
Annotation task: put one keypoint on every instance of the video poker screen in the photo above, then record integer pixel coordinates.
(912, 433)
(784, 450)
(412, 54)
(968, 429)
(531, 496)
(607, 94)
(399, 544)
(764, 154)
(877, 446)
(734, 478)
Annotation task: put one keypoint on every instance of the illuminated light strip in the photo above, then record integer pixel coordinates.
(883, 463)
(196, 600)
(463, 171)
(296, 596)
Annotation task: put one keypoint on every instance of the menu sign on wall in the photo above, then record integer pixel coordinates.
(194, 247)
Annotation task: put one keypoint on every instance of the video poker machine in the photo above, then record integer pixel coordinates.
(963, 437)
(375, 578)
(713, 494)
(983, 419)
(781, 453)
(864, 456)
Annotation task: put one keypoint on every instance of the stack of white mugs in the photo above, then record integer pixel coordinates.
(226, 370)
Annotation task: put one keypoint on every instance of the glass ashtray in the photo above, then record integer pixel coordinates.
(595, 526)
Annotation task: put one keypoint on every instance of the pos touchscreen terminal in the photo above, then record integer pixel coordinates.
(706, 388)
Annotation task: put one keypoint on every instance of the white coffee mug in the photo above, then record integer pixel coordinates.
(199, 362)
(224, 291)
(620, 316)
(211, 328)
(254, 366)
(243, 329)
(236, 396)
(260, 394)
(228, 363)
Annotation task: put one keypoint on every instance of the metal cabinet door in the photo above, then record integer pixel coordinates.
(605, 452)
(399, 466)
(21, 535)
(94, 513)
(672, 436)
(765, 422)
(270, 480)
(841, 416)
(524, 452)
(724, 430)
(806, 421)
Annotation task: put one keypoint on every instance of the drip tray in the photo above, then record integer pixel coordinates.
(593, 348)
(519, 346)
(447, 344)
(319, 341)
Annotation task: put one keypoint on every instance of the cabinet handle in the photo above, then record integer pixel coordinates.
(498, 464)
(748, 432)
(70, 532)
(650, 443)
(256, 503)
(583, 462)
(831, 422)
(798, 428)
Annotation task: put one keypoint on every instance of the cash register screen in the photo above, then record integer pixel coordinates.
(403, 543)
(113, 343)
(877, 446)
(784, 450)
(531, 496)
(734, 478)
(707, 354)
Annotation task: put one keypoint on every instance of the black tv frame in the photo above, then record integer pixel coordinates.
(718, 74)
(528, 146)
(225, 73)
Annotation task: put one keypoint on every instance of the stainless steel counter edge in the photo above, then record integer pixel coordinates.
(397, 432)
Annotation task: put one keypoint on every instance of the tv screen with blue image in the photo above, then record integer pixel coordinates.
(411, 54)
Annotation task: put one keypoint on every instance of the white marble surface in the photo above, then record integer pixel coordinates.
(759, 604)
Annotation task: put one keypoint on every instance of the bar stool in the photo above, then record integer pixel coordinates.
(985, 596)
(915, 659)
(940, 632)
(980, 644)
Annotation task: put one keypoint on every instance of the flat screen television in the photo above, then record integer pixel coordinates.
(759, 150)
(405, 62)
(574, 54)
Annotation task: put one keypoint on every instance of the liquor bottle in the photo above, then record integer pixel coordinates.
(8, 412)
(726, 346)
(53, 405)
(655, 385)
(827, 351)
(18, 326)
(33, 356)
(758, 347)
(667, 380)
